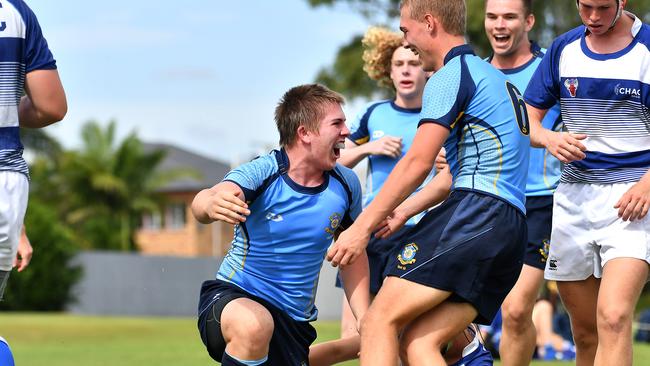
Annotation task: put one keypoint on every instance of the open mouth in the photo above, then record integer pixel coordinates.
(501, 38)
(406, 83)
(337, 148)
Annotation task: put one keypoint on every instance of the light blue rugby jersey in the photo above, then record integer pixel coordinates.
(488, 144)
(606, 97)
(278, 252)
(22, 50)
(543, 169)
(381, 119)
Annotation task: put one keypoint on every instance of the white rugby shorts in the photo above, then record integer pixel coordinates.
(587, 231)
(14, 190)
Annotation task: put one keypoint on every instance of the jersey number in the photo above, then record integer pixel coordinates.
(520, 108)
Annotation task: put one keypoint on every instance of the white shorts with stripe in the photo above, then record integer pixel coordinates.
(587, 231)
(14, 190)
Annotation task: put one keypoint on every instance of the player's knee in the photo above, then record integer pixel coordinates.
(585, 337)
(516, 316)
(614, 320)
(250, 333)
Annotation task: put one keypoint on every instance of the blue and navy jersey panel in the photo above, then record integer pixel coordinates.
(606, 97)
(543, 169)
(488, 144)
(377, 120)
(23, 50)
(278, 252)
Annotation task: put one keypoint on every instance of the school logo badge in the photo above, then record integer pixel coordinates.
(407, 255)
(335, 221)
(552, 264)
(572, 86)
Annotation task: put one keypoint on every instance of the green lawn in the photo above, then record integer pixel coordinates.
(72, 340)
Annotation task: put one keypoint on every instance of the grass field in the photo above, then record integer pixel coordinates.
(72, 340)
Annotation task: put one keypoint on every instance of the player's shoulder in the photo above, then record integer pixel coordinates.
(348, 176)
(567, 38)
(263, 165)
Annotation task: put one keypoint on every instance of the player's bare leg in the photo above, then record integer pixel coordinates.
(580, 299)
(424, 338)
(518, 334)
(247, 328)
(620, 288)
(387, 317)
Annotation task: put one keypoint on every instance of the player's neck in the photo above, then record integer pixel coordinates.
(615, 39)
(301, 168)
(409, 102)
(446, 44)
(516, 59)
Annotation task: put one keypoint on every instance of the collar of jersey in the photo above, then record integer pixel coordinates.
(283, 169)
(637, 28)
(463, 49)
(536, 52)
(405, 110)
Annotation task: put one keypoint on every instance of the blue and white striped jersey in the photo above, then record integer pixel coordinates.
(381, 119)
(488, 144)
(543, 169)
(22, 50)
(606, 97)
(277, 253)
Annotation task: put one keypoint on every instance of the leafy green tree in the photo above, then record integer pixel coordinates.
(553, 17)
(101, 190)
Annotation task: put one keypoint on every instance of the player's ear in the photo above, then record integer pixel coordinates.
(431, 22)
(303, 134)
(530, 22)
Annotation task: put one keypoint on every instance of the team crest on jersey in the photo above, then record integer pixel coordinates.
(335, 221)
(572, 86)
(543, 251)
(407, 255)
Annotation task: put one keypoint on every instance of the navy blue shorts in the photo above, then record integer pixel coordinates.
(471, 245)
(291, 338)
(380, 255)
(539, 215)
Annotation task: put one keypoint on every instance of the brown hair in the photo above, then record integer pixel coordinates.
(379, 45)
(451, 14)
(303, 105)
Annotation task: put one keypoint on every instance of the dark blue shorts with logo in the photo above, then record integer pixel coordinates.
(539, 216)
(471, 245)
(291, 338)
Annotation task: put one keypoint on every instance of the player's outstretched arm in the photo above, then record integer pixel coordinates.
(635, 203)
(565, 146)
(45, 102)
(223, 202)
(436, 191)
(390, 146)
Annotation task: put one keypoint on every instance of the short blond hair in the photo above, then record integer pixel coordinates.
(303, 105)
(379, 44)
(452, 14)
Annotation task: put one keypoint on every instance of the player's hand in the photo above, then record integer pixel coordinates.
(228, 206)
(565, 146)
(24, 254)
(390, 225)
(388, 145)
(349, 245)
(441, 160)
(634, 203)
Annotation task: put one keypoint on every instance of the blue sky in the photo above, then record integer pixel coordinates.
(204, 75)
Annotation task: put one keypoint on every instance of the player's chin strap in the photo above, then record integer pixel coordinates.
(619, 12)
